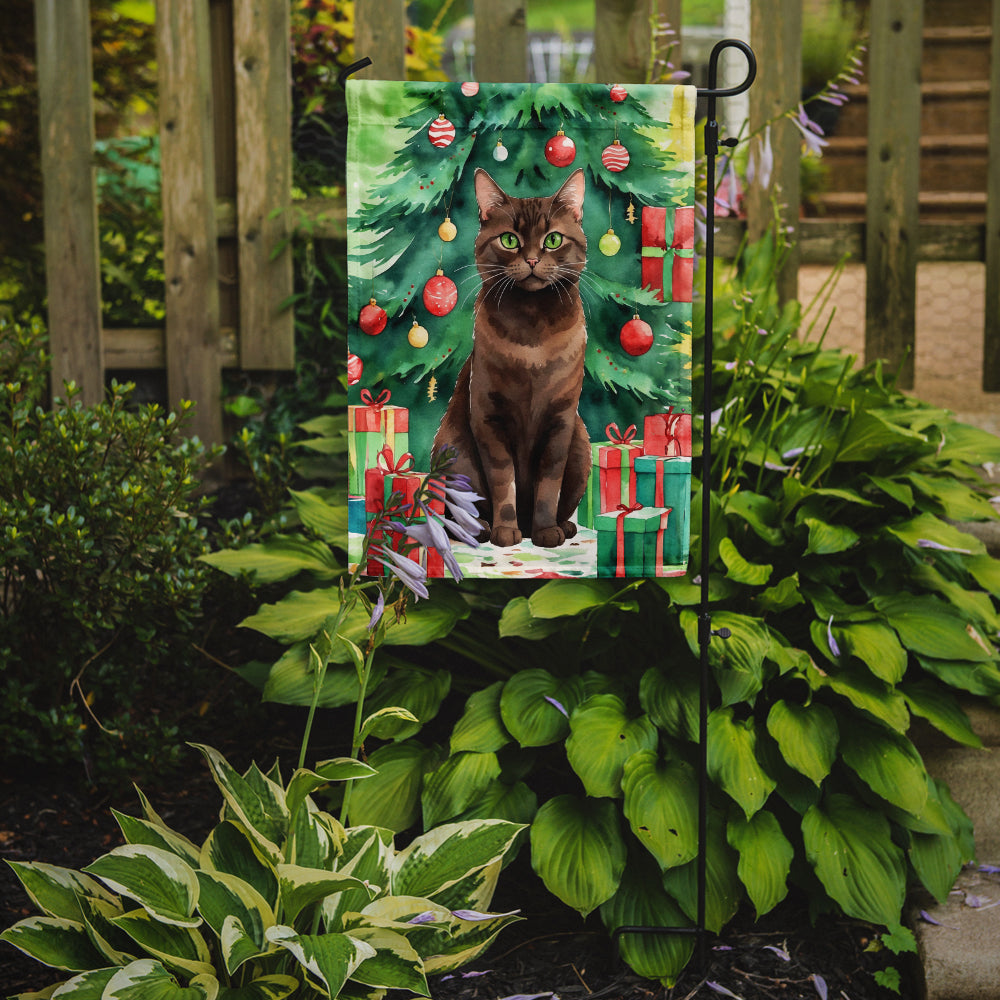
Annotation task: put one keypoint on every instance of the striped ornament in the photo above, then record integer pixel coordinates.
(615, 157)
(441, 132)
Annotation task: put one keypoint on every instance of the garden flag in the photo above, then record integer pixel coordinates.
(520, 266)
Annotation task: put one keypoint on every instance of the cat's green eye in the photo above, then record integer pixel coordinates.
(509, 241)
(553, 241)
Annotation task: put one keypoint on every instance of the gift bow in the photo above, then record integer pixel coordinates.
(383, 397)
(402, 466)
(615, 436)
(620, 533)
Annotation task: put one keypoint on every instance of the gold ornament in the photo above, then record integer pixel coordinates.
(447, 230)
(417, 335)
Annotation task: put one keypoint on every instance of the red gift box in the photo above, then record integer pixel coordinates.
(667, 434)
(668, 235)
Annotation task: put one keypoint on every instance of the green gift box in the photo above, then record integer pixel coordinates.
(630, 541)
(666, 482)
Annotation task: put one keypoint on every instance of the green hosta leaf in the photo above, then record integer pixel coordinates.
(292, 680)
(54, 941)
(438, 859)
(850, 847)
(330, 959)
(738, 569)
(866, 692)
(941, 709)
(301, 887)
(765, 858)
(275, 987)
(783, 595)
(876, 646)
(395, 964)
(147, 979)
(160, 882)
(387, 723)
(602, 738)
(641, 901)
(417, 690)
(723, 889)
(965, 443)
(56, 891)
(481, 728)
(975, 605)
(516, 803)
(758, 511)
(391, 798)
(226, 898)
(327, 520)
(957, 501)
(928, 528)
(827, 539)
(141, 831)
(738, 661)
(230, 849)
(456, 784)
(986, 572)
(559, 598)
(578, 851)
(976, 678)
(893, 488)
(888, 763)
(279, 558)
(527, 711)
(937, 859)
(807, 736)
(931, 628)
(517, 620)
(260, 809)
(180, 948)
(732, 760)
(671, 700)
(870, 436)
(661, 798)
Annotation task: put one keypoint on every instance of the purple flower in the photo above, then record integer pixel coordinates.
(411, 574)
(760, 165)
(552, 701)
(377, 612)
(820, 983)
(719, 988)
(780, 952)
(811, 132)
(427, 917)
(834, 648)
(431, 534)
(927, 543)
(475, 915)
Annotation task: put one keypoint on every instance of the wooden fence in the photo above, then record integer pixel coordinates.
(226, 161)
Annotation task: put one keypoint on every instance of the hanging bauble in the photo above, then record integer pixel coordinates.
(470, 88)
(618, 93)
(500, 151)
(560, 150)
(355, 367)
(636, 336)
(441, 132)
(447, 230)
(609, 244)
(373, 318)
(417, 335)
(615, 157)
(440, 294)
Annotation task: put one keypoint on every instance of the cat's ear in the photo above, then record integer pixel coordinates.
(570, 195)
(489, 194)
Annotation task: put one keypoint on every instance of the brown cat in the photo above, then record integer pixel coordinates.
(513, 415)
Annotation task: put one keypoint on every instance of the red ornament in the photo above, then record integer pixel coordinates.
(470, 88)
(355, 366)
(618, 93)
(636, 336)
(560, 150)
(441, 132)
(373, 318)
(615, 157)
(440, 294)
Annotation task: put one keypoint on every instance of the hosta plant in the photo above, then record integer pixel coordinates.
(279, 900)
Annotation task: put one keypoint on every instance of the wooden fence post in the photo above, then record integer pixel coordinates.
(501, 39)
(72, 255)
(262, 61)
(776, 35)
(190, 251)
(991, 330)
(625, 42)
(893, 183)
(380, 34)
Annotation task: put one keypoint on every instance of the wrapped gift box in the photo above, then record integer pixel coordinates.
(372, 426)
(612, 474)
(667, 434)
(631, 541)
(668, 242)
(356, 515)
(666, 482)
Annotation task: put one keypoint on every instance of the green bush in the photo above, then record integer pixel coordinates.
(101, 584)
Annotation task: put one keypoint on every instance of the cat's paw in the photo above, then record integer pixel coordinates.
(505, 536)
(550, 537)
(568, 528)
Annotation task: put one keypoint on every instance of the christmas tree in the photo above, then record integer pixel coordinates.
(414, 219)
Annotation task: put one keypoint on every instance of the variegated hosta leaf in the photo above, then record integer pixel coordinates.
(158, 880)
(535, 706)
(141, 831)
(602, 737)
(467, 941)
(850, 847)
(441, 857)
(367, 853)
(642, 902)
(116, 946)
(274, 987)
(888, 763)
(661, 799)
(147, 979)
(476, 890)
(230, 849)
(807, 736)
(256, 801)
(578, 851)
(225, 897)
(86, 986)
(395, 964)
(328, 959)
(304, 782)
(456, 784)
(56, 891)
(54, 941)
(765, 858)
(481, 727)
(732, 760)
(300, 887)
(315, 838)
(177, 947)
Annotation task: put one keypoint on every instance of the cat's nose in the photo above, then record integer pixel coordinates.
(532, 261)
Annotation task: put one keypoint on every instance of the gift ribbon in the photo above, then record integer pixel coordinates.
(404, 465)
(615, 436)
(620, 535)
(383, 397)
(664, 524)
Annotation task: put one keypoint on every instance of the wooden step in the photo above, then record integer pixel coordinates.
(945, 105)
(944, 12)
(958, 206)
(956, 53)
